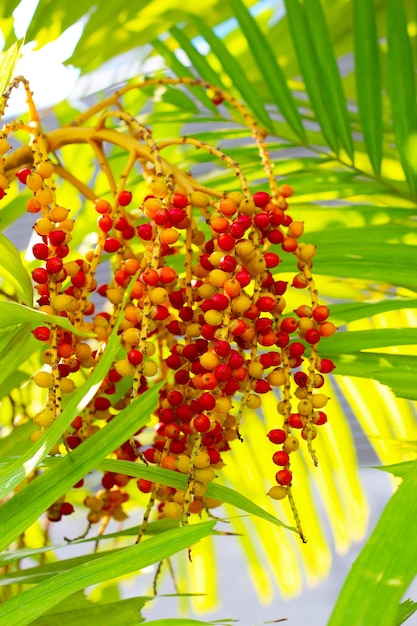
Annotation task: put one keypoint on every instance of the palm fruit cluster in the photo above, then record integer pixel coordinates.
(206, 313)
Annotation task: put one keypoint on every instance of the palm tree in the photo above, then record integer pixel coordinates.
(333, 86)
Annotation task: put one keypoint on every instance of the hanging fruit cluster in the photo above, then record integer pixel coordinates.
(206, 313)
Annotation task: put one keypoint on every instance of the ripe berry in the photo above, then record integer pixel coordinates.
(281, 457)
(262, 221)
(124, 198)
(200, 423)
(112, 245)
(296, 349)
(226, 241)
(66, 508)
(54, 265)
(57, 237)
(261, 198)
(283, 477)
(145, 231)
(40, 251)
(105, 223)
(145, 486)
(319, 418)
(41, 333)
(326, 366)
(23, 174)
(277, 435)
(180, 201)
(174, 397)
(271, 259)
(301, 379)
(206, 401)
(312, 336)
(40, 275)
(295, 420)
(135, 357)
(289, 324)
(321, 313)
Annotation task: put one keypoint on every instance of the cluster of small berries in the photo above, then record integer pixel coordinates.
(206, 313)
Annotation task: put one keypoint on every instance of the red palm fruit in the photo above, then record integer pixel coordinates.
(235, 360)
(228, 263)
(222, 348)
(145, 486)
(222, 372)
(200, 423)
(226, 242)
(275, 236)
(22, 175)
(54, 265)
(206, 401)
(261, 198)
(271, 259)
(326, 366)
(111, 245)
(281, 457)
(301, 379)
(231, 387)
(262, 221)
(105, 223)
(296, 349)
(283, 477)
(57, 237)
(175, 397)
(319, 418)
(277, 435)
(289, 324)
(262, 386)
(295, 420)
(237, 229)
(40, 251)
(40, 275)
(180, 201)
(265, 304)
(321, 313)
(41, 333)
(124, 197)
(312, 336)
(145, 231)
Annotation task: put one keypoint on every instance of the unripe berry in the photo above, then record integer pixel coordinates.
(319, 400)
(205, 475)
(291, 444)
(278, 492)
(43, 379)
(327, 329)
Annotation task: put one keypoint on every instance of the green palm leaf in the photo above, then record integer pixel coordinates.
(357, 215)
(368, 79)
